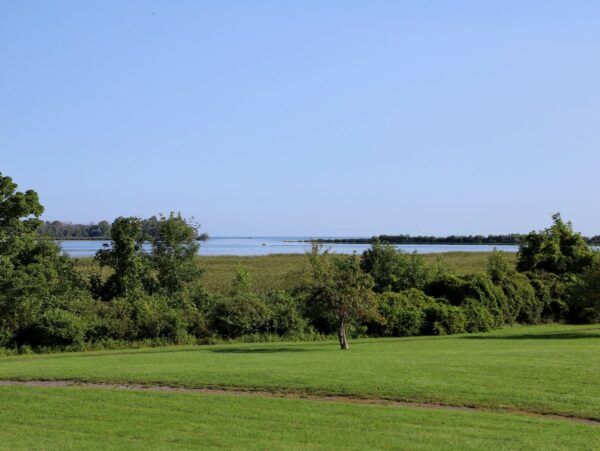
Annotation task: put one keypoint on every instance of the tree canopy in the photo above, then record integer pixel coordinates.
(556, 249)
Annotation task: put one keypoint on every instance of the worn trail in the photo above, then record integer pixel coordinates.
(293, 395)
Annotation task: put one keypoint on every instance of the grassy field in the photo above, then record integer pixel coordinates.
(284, 270)
(505, 376)
(547, 369)
(81, 418)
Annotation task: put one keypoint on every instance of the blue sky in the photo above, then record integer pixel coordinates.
(306, 117)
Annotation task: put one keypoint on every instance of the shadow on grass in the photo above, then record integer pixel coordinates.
(166, 350)
(548, 336)
(170, 349)
(265, 350)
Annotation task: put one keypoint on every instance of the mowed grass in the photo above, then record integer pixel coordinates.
(281, 271)
(545, 369)
(82, 418)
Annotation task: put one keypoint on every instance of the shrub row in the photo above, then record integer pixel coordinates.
(159, 298)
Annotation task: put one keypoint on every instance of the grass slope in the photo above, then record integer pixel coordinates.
(548, 369)
(79, 418)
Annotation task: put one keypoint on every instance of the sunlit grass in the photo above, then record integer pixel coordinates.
(81, 418)
(548, 369)
(282, 271)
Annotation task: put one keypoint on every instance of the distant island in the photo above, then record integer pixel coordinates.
(509, 239)
(62, 230)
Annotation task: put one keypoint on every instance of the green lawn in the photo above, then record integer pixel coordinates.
(548, 369)
(284, 271)
(81, 418)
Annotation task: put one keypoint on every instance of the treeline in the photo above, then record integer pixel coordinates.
(159, 297)
(511, 238)
(95, 231)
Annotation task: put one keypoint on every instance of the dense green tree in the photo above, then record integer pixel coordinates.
(342, 290)
(125, 256)
(285, 316)
(442, 318)
(40, 293)
(19, 217)
(382, 262)
(243, 312)
(557, 250)
(584, 297)
(460, 289)
(522, 303)
(401, 314)
(174, 249)
(392, 270)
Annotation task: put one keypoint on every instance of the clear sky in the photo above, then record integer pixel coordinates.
(306, 117)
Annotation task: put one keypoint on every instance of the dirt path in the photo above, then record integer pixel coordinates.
(294, 395)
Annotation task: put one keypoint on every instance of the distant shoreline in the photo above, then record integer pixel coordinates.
(371, 241)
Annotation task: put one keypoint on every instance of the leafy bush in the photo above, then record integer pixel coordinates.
(154, 318)
(479, 287)
(131, 274)
(114, 321)
(557, 250)
(401, 314)
(392, 270)
(551, 292)
(57, 327)
(584, 297)
(174, 249)
(442, 319)
(244, 312)
(285, 316)
(522, 304)
(477, 317)
(341, 292)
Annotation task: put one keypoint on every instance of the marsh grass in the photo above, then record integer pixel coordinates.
(283, 271)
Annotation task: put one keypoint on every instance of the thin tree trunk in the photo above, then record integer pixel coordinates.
(342, 336)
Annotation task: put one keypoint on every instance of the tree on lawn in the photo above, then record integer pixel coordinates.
(342, 291)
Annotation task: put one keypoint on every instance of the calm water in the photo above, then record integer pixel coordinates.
(281, 245)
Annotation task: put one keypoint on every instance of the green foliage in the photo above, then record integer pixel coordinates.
(584, 297)
(457, 290)
(125, 256)
(560, 265)
(161, 297)
(551, 293)
(67, 230)
(443, 319)
(477, 317)
(155, 318)
(19, 217)
(401, 314)
(392, 270)
(412, 312)
(243, 312)
(37, 284)
(521, 302)
(174, 248)
(143, 317)
(285, 314)
(114, 320)
(557, 250)
(340, 291)
(58, 328)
